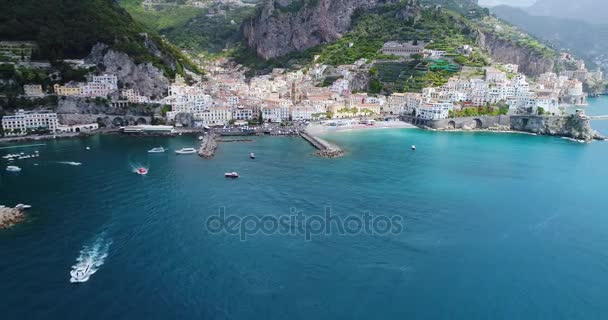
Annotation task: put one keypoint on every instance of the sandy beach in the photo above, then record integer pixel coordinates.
(320, 129)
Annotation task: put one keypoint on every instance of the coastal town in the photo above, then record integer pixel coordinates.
(224, 96)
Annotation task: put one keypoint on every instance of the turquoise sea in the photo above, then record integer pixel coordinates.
(496, 226)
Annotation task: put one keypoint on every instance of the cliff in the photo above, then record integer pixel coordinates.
(88, 106)
(573, 126)
(145, 77)
(284, 26)
(530, 61)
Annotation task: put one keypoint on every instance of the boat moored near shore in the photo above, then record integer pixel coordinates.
(185, 151)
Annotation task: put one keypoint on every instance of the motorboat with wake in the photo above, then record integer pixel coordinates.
(82, 272)
(141, 171)
(157, 150)
(13, 169)
(185, 151)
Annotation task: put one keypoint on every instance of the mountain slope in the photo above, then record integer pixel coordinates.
(589, 41)
(207, 27)
(346, 30)
(592, 11)
(70, 29)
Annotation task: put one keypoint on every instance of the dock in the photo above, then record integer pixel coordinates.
(208, 146)
(325, 149)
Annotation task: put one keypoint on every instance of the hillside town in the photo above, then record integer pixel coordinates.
(227, 97)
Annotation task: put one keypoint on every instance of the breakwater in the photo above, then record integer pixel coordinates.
(208, 146)
(325, 149)
(575, 126)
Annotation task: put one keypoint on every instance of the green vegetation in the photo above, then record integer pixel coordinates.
(512, 34)
(70, 28)
(480, 111)
(191, 28)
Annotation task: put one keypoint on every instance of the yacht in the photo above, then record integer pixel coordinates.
(157, 150)
(252, 155)
(232, 175)
(413, 147)
(13, 169)
(185, 151)
(82, 272)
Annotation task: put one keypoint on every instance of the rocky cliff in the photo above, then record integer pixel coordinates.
(573, 126)
(145, 77)
(284, 26)
(82, 105)
(530, 61)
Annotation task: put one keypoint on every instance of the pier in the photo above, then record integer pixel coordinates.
(208, 146)
(325, 149)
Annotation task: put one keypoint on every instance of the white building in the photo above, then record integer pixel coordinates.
(300, 113)
(434, 110)
(217, 116)
(22, 122)
(33, 90)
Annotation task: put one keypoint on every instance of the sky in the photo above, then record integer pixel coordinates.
(515, 3)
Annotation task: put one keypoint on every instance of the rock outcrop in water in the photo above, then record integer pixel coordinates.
(10, 217)
(574, 126)
(284, 26)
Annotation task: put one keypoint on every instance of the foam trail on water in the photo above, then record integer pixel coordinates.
(70, 163)
(92, 256)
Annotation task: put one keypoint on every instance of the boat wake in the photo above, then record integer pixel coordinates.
(91, 257)
(70, 163)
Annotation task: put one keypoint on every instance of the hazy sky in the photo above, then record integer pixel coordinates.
(521, 3)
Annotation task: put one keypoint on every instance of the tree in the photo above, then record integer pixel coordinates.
(540, 111)
(260, 118)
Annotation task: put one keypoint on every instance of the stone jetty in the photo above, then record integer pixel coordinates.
(208, 146)
(325, 149)
(10, 216)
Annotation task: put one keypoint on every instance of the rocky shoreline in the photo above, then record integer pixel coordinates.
(11, 216)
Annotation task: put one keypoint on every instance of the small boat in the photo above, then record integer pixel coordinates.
(252, 155)
(157, 150)
(82, 272)
(232, 175)
(88, 148)
(414, 147)
(185, 151)
(141, 171)
(200, 138)
(13, 169)
(22, 206)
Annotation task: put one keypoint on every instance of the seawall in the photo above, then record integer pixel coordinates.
(325, 149)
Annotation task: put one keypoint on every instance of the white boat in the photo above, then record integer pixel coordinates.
(413, 147)
(88, 148)
(252, 155)
(22, 206)
(157, 150)
(185, 151)
(13, 169)
(232, 175)
(82, 272)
